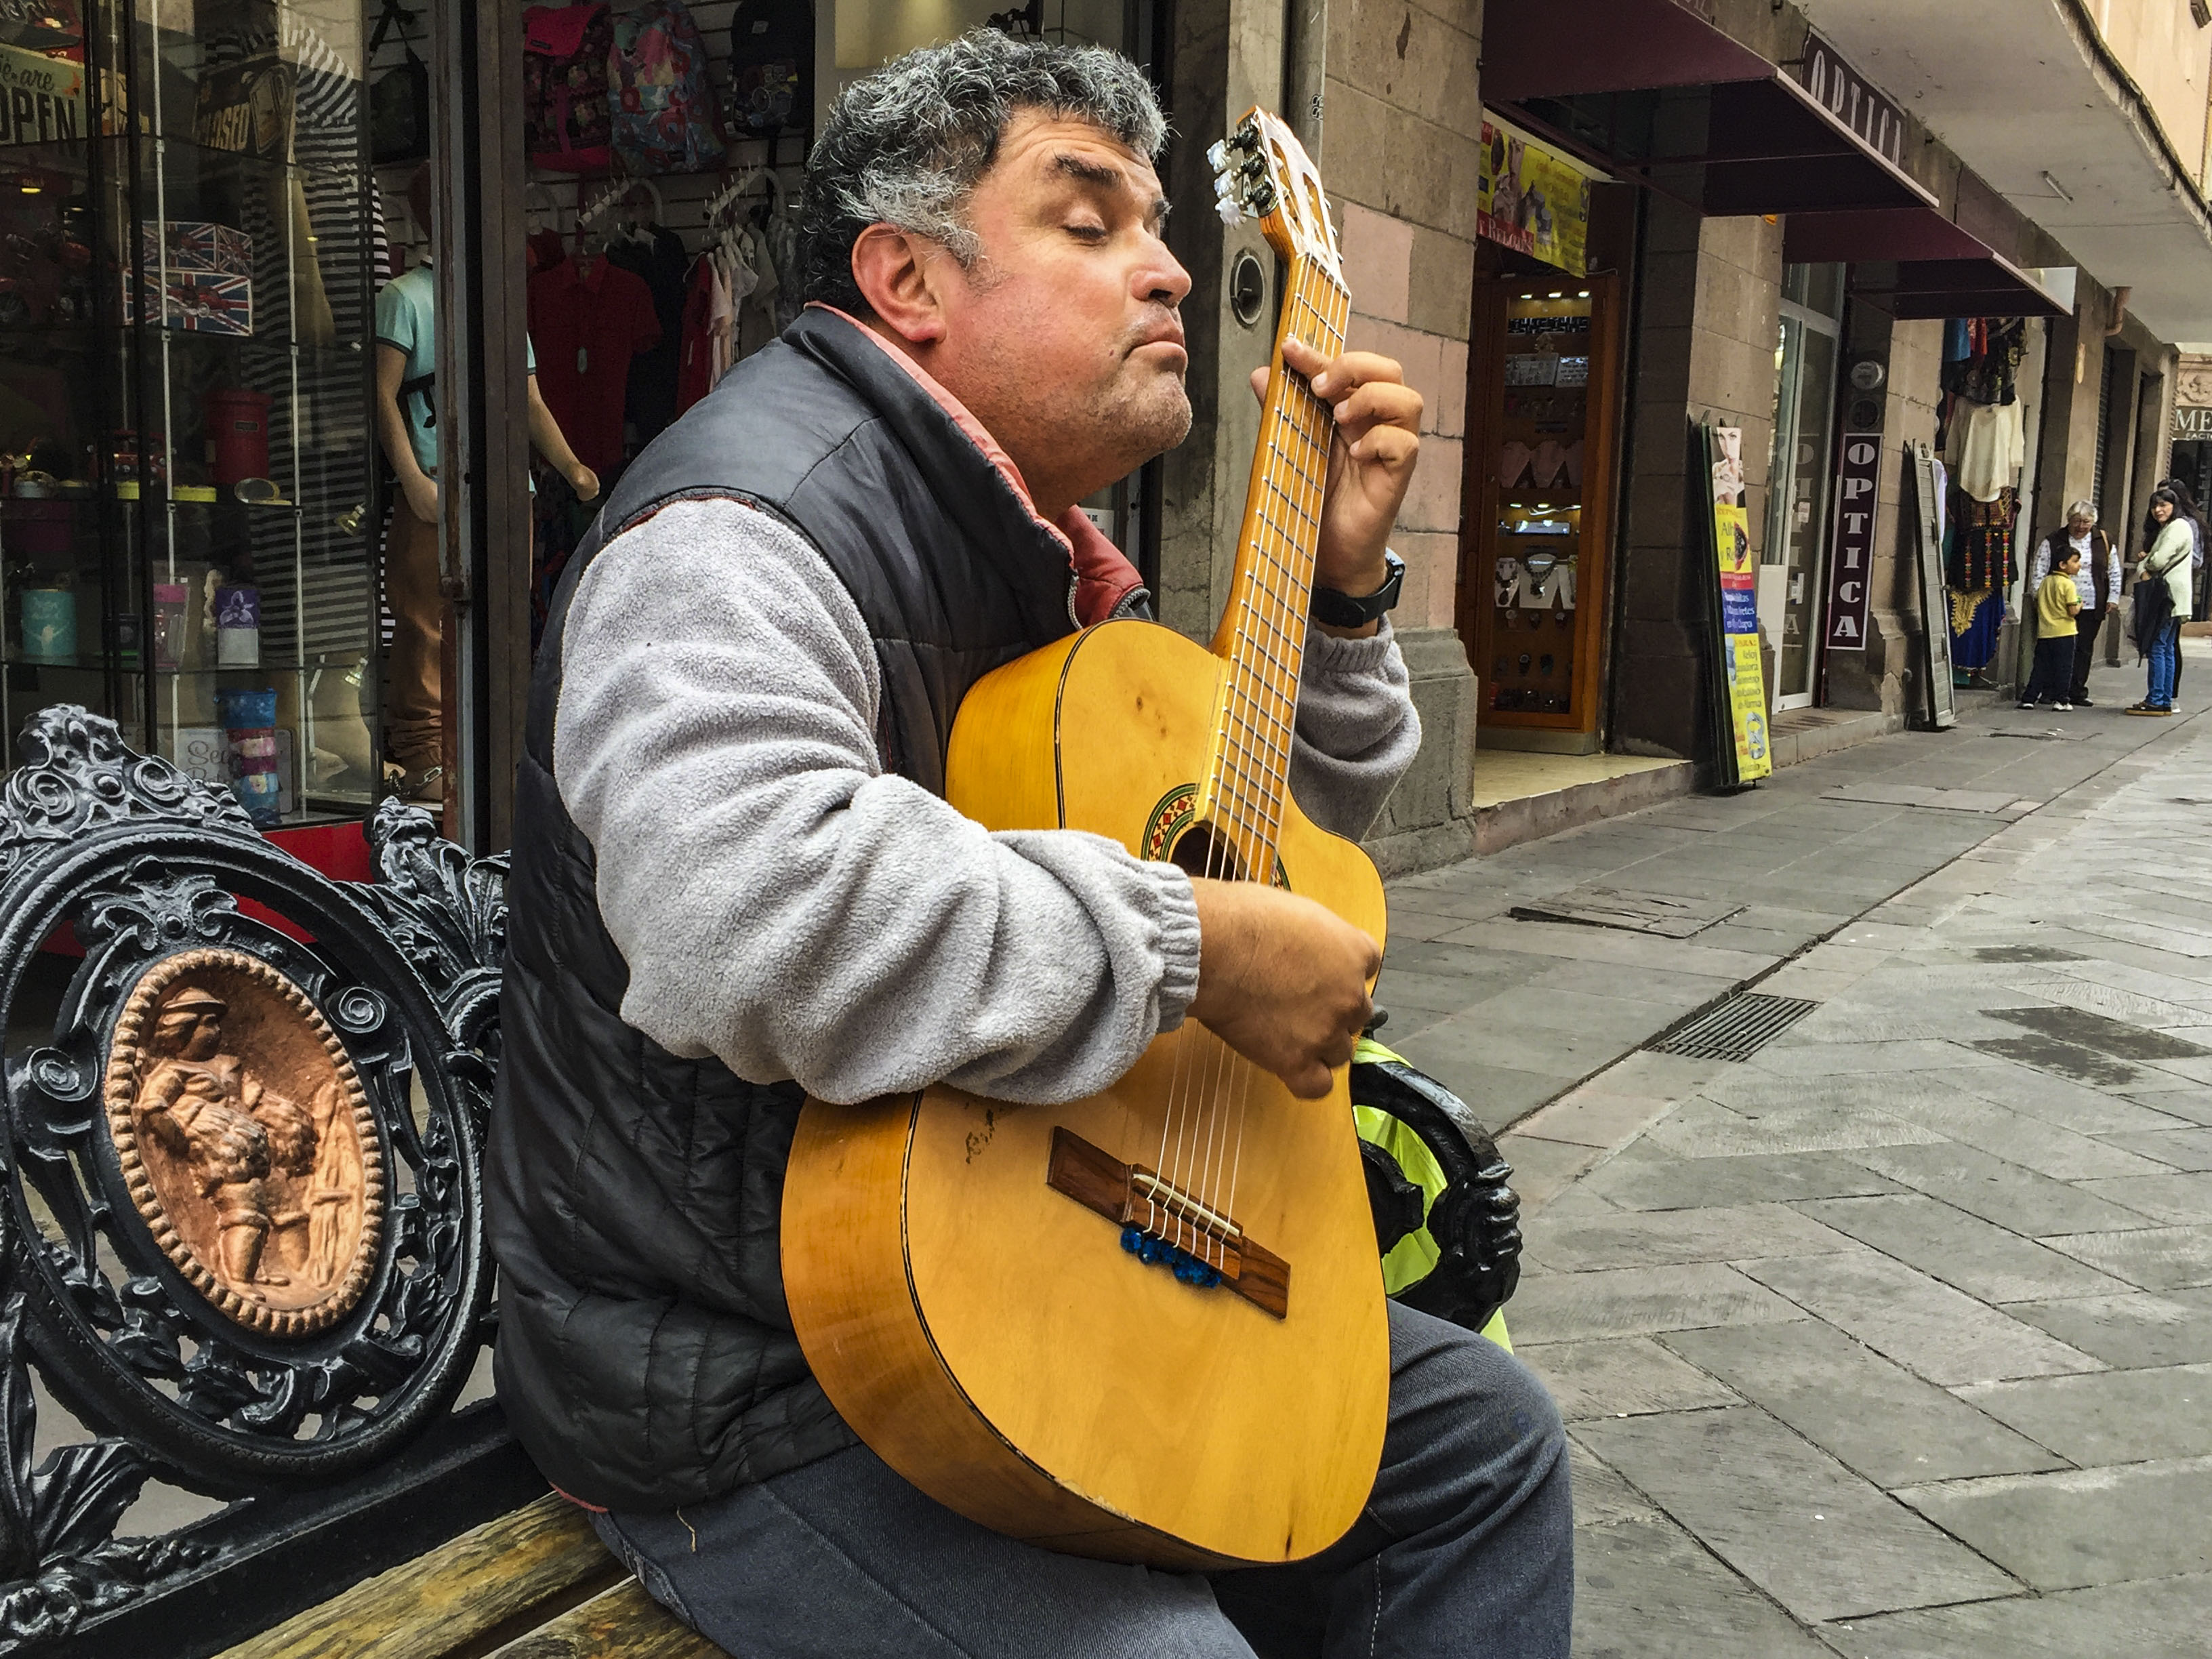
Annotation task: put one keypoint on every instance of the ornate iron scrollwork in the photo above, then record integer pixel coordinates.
(240, 1233)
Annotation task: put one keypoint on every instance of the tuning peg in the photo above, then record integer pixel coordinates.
(1231, 214)
(1217, 155)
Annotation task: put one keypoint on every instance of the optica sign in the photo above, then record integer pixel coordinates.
(1858, 471)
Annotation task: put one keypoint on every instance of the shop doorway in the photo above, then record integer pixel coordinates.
(1792, 577)
(1543, 373)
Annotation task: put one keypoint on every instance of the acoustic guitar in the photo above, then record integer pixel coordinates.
(1148, 1326)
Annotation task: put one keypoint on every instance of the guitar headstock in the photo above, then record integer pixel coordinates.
(1261, 170)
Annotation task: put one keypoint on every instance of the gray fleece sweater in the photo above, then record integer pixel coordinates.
(787, 907)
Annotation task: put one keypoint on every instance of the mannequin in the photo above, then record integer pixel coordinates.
(406, 426)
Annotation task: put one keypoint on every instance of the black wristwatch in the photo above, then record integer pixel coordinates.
(1342, 610)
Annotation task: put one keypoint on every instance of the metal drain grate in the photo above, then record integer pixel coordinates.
(1737, 1030)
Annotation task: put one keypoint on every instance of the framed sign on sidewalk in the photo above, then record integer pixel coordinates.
(1939, 704)
(1742, 753)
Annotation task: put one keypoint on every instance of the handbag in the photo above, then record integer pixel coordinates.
(398, 99)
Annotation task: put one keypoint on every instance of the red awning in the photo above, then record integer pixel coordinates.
(1575, 46)
(1914, 263)
(1769, 147)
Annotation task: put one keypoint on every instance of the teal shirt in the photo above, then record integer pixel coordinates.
(407, 320)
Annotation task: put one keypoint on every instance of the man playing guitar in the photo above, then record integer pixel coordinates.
(735, 884)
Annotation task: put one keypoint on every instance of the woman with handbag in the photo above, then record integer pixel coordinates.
(2162, 597)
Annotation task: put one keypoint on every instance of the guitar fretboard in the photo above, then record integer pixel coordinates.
(1263, 630)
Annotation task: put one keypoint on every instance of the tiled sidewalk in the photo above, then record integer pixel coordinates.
(1894, 1340)
(1511, 1013)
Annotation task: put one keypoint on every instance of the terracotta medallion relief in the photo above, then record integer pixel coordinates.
(246, 1141)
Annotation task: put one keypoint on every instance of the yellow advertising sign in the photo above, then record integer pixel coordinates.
(1746, 685)
(1532, 198)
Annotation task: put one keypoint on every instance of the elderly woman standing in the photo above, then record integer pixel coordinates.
(2158, 616)
(2099, 581)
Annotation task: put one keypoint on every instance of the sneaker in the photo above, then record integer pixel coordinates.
(2025, 703)
(2064, 708)
(2083, 702)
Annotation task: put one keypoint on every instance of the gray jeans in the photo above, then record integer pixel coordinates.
(1466, 1546)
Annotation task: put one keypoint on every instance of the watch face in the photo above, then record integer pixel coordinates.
(1867, 374)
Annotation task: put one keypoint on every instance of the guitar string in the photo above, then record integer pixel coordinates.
(1251, 772)
(1270, 692)
(1319, 439)
(1234, 785)
(1255, 767)
(1188, 1118)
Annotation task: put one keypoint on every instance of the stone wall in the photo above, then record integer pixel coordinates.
(1400, 149)
(1705, 334)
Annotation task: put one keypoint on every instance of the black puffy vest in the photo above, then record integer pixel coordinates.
(646, 1357)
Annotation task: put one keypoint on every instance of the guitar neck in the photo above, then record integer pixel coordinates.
(1262, 634)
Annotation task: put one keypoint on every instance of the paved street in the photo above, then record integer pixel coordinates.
(1895, 1339)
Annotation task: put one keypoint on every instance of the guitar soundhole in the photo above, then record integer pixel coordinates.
(1200, 851)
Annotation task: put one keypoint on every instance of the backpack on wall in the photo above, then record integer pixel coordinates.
(663, 104)
(565, 112)
(771, 67)
(398, 99)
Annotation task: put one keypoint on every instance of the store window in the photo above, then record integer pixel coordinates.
(187, 510)
(1791, 579)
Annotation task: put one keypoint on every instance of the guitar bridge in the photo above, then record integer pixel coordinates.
(1164, 1224)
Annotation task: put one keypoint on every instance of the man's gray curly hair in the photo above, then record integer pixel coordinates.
(906, 145)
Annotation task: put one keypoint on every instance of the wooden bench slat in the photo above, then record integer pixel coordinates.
(624, 1623)
(544, 1552)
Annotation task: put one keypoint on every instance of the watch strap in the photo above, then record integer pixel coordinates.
(1341, 609)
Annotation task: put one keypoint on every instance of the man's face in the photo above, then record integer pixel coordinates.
(1064, 339)
(206, 1039)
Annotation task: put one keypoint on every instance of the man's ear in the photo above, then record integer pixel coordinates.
(896, 275)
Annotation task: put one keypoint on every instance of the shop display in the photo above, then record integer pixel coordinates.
(185, 293)
(249, 723)
(589, 318)
(569, 122)
(238, 627)
(665, 118)
(1982, 449)
(206, 275)
(771, 66)
(398, 99)
(1532, 623)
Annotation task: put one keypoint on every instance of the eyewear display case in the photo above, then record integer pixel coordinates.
(188, 507)
(1538, 490)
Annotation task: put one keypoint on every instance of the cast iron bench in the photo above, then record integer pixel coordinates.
(245, 1301)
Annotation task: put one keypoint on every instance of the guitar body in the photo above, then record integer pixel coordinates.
(985, 1330)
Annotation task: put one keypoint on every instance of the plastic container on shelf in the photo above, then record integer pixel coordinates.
(49, 624)
(41, 529)
(238, 627)
(238, 434)
(249, 724)
(171, 631)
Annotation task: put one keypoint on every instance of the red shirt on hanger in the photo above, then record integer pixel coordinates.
(587, 325)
